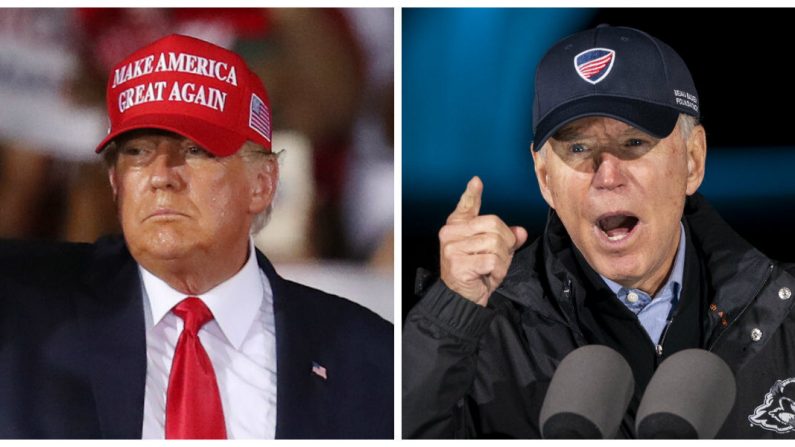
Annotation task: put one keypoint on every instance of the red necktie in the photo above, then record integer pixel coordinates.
(193, 403)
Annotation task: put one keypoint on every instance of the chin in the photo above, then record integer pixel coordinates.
(166, 253)
(162, 244)
(622, 269)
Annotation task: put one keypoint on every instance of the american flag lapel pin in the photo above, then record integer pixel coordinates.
(319, 370)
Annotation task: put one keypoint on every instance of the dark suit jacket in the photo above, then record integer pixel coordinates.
(73, 350)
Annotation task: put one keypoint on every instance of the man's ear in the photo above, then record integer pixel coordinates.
(542, 174)
(114, 185)
(263, 187)
(696, 158)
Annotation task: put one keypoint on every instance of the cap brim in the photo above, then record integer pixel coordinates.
(216, 139)
(656, 120)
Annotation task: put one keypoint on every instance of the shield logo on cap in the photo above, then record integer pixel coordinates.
(594, 65)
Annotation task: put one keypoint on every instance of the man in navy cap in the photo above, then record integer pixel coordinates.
(632, 257)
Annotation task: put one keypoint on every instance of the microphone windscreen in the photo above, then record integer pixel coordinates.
(588, 395)
(689, 397)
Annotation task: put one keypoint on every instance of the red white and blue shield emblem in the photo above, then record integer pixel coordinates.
(594, 65)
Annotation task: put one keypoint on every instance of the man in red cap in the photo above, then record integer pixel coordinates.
(182, 329)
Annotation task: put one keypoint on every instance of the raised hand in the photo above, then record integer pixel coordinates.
(475, 250)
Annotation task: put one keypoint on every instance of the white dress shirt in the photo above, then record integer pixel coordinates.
(240, 341)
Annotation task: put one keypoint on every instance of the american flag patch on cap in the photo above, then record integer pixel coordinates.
(260, 117)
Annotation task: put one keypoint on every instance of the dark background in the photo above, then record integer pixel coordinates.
(467, 103)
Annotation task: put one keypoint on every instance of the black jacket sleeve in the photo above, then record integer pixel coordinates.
(440, 346)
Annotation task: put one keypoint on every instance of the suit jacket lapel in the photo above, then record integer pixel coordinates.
(112, 319)
(296, 387)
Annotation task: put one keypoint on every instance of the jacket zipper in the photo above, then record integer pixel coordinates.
(579, 339)
(567, 289)
(758, 291)
(659, 347)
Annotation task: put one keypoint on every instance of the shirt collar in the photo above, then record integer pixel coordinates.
(674, 281)
(234, 303)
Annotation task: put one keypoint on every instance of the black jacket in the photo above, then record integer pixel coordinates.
(470, 371)
(73, 350)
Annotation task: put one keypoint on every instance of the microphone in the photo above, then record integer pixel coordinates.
(688, 397)
(588, 395)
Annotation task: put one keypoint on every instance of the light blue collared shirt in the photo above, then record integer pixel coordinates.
(653, 314)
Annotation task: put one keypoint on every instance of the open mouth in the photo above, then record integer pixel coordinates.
(617, 226)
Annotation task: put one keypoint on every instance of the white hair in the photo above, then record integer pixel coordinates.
(254, 153)
(686, 125)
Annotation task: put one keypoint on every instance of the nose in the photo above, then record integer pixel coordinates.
(608, 171)
(166, 171)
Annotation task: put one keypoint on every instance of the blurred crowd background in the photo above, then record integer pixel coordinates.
(329, 74)
(467, 110)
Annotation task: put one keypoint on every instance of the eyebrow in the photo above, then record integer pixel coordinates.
(571, 132)
(568, 132)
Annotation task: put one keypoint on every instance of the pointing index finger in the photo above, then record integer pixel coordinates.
(469, 204)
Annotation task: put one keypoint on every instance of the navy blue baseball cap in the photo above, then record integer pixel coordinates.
(617, 72)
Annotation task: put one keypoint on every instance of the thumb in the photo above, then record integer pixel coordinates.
(521, 236)
(469, 204)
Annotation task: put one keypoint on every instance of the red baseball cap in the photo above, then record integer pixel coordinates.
(192, 87)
